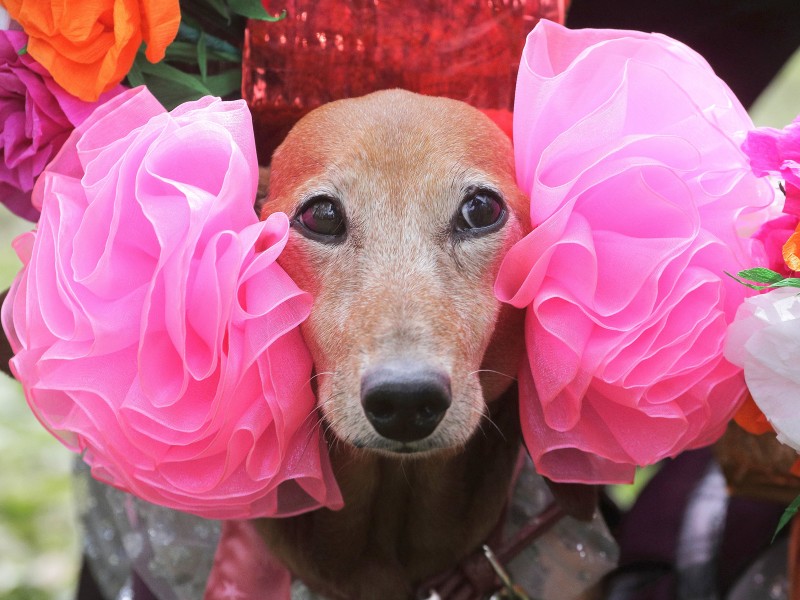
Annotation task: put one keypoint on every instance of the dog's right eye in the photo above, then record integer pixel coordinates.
(321, 218)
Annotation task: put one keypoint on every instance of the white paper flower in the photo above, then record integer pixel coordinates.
(764, 339)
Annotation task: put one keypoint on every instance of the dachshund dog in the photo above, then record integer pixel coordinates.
(402, 208)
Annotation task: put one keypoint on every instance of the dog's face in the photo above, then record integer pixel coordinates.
(402, 207)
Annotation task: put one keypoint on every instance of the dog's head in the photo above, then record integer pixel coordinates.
(402, 207)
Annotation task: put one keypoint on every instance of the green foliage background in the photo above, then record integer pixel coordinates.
(38, 539)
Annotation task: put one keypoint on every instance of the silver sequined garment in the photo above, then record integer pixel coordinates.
(173, 552)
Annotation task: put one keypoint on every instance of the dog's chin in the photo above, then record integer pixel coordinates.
(415, 450)
(432, 446)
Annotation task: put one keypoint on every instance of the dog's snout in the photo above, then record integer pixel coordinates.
(405, 402)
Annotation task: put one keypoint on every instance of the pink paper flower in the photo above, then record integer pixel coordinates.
(153, 330)
(765, 341)
(773, 235)
(777, 152)
(626, 144)
(37, 116)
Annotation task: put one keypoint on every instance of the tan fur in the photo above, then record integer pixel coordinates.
(402, 287)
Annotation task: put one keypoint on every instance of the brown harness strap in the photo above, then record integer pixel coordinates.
(474, 578)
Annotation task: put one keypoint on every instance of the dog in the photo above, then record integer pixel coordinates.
(402, 209)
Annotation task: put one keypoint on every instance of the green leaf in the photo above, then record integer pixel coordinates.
(165, 71)
(135, 77)
(221, 7)
(788, 282)
(170, 93)
(253, 9)
(225, 83)
(787, 515)
(186, 52)
(23, 50)
(752, 286)
(760, 275)
(202, 56)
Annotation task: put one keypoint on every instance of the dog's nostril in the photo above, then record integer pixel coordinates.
(404, 402)
(381, 408)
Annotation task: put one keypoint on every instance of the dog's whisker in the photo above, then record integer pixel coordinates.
(315, 375)
(314, 428)
(485, 416)
(492, 371)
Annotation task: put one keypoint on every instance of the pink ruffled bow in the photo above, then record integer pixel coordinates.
(154, 332)
(628, 146)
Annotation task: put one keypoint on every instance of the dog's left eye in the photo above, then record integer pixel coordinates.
(322, 217)
(479, 212)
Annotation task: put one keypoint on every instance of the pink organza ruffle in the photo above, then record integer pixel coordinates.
(627, 145)
(154, 332)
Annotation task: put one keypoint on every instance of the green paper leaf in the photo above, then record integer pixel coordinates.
(788, 282)
(23, 50)
(760, 275)
(253, 9)
(787, 515)
(752, 286)
(202, 56)
(764, 279)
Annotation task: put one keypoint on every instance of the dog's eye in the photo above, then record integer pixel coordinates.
(322, 215)
(479, 211)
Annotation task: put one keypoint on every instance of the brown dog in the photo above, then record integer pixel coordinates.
(402, 208)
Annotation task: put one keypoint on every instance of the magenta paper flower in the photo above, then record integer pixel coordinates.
(777, 152)
(153, 330)
(773, 235)
(37, 116)
(626, 143)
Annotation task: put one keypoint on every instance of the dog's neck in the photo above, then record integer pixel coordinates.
(403, 520)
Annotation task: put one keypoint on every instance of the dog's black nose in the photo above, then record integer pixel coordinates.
(405, 402)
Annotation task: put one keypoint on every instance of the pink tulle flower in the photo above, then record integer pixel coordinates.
(777, 152)
(153, 330)
(765, 341)
(37, 115)
(625, 142)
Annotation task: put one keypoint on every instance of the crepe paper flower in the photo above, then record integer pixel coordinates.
(791, 251)
(37, 115)
(153, 330)
(626, 144)
(764, 340)
(88, 47)
(777, 152)
(774, 235)
(750, 418)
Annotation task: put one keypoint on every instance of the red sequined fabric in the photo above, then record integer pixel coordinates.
(330, 49)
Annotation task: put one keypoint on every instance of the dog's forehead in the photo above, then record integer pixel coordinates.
(400, 139)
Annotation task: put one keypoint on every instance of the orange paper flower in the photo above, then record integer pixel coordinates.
(791, 251)
(89, 47)
(751, 419)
